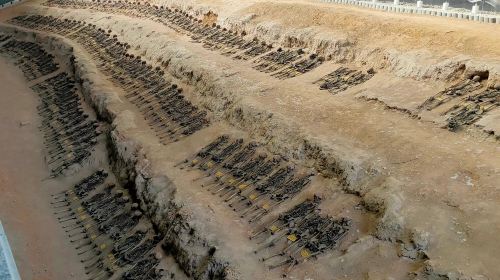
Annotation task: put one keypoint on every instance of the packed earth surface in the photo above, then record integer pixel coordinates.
(223, 139)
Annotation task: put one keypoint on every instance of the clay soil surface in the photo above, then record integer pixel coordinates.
(40, 247)
(439, 187)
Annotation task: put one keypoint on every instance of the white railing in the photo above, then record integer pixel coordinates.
(445, 11)
(5, 4)
(7, 265)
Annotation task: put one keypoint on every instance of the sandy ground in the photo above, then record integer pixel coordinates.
(366, 26)
(449, 181)
(41, 249)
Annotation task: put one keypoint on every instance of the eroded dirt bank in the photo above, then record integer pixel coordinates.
(24, 207)
(420, 199)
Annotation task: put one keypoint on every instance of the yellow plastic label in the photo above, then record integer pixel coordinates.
(83, 217)
(243, 186)
(194, 161)
(231, 181)
(252, 197)
(87, 226)
(274, 228)
(266, 206)
(305, 253)
(102, 247)
(93, 236)
(79, 209)
(209, 164)
(219, 174)
(292, 237)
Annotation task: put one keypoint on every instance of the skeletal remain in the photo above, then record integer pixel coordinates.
(472, 108)
(343, 79)
(214, 37)
(33, 60)
(460, 89)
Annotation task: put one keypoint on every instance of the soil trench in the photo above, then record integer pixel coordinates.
(40, 247)
(175, 140)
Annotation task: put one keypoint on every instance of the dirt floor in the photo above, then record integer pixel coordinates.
(40, 247)
(423, 199)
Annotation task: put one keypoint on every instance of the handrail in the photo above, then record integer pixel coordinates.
(6, 259)
(395, 7)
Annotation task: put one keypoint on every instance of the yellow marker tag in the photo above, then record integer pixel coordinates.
(79, 209)
(242, 186)
(194, 161)
(83, 217)
(305, 253)
(274, 228)
(87, 226)
(219, 174)
(93, 236)
(231, 181)
(210, 164)
(266, 206)
(102, 247)
(252, 197)
(292, 237)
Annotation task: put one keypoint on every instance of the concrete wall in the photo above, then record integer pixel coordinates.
(407, 9)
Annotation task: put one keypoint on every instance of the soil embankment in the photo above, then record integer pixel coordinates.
(396, 136)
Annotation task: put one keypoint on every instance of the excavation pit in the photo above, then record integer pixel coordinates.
(239, 145)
